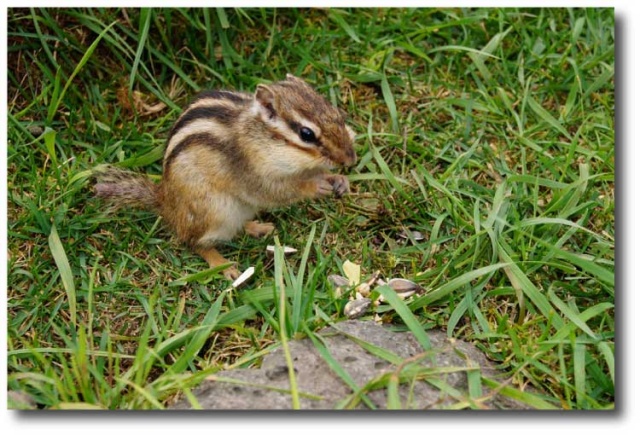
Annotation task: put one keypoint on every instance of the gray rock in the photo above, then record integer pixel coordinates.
(268, 386)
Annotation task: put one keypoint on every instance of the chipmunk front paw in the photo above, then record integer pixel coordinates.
(339, 184)
(323, 186)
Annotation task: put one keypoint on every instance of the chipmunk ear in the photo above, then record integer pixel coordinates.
(292, 78)
(266, 99)
(352, 134)
(264, 95)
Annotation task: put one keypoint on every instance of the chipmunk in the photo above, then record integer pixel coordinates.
(231, 154)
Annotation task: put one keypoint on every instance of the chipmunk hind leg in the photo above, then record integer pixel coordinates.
(215, 259)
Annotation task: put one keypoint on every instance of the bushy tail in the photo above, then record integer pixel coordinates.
(125, 188)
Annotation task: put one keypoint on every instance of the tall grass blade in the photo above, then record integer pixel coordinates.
(393, 395)
(454, 285)
(570, 314)
(548, 118)
(524, 397)
(604, 275)
(81, 64)
(606, 351)
(387, 94)
(200, 337)
(579, 373)
(66, 275)
(280, 287)
(520, 280)
(222, 17)
(296, 315)
(145, 23)
(335, 16)
(405, 314)
(388, 174)
(589, 313)
(334, 365)
(49, 136)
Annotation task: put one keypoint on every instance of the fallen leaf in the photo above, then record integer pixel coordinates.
(352, 271)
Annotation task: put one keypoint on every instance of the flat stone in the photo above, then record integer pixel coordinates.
(320, 387)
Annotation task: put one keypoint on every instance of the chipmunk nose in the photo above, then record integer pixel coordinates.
(350, 157)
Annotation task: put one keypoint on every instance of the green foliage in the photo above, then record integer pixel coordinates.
(490, 131)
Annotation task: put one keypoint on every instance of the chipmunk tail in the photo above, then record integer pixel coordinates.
(122, 188)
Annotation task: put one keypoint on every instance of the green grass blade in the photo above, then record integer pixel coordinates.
(606, 276)
(79, 406)
(474, 380)
(548, 118)
(164, 347)
(334, 365)
(146, 159)
(570, 314)
(606, 350)
(463, 49)
(579, 373)
(405, 314)
(279, 267)
(454, 284)
(55, 94)
(335, 16)
(145, 20)
(393, 396)
(387, 94)
(378, 351)
(524, 397)
(222, 17)
(536, 180)
(49, 136)
(200, 337)
(388, 174)
(415, 51)
(555, 221)
(143, 392)
(66, 275)
(480, 57)
(520, 281)
(296, 315)
(237, 315)
(591, 312)
(600, 81)
(79, 66)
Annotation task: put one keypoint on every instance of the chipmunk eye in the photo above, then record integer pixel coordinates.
(307, 135)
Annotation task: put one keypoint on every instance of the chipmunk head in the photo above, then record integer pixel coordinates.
(294, 111)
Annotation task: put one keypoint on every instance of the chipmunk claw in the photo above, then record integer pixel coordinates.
(231, 273)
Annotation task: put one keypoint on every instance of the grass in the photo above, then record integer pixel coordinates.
(490, 131)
